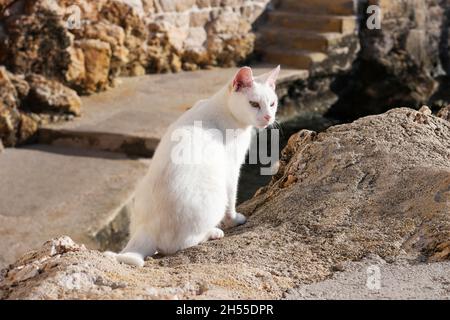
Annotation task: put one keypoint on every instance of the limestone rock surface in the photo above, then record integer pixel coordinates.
(379, 186)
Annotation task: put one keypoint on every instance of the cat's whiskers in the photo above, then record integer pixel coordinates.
(278, 126)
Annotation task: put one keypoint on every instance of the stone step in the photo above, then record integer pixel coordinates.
(313, 22)
(48, 191)
(340, 7)
(293, 58)
(286, 38)
(133, 117)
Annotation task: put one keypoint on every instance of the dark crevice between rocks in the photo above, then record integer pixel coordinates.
(441, 98)
(444, 43)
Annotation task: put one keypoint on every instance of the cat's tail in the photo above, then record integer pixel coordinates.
(138, 248)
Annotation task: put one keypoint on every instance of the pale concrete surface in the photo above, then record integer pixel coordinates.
(400, 280)
(50, 191)
(134, 116)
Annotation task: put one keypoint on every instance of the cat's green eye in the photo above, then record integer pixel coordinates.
(255, 104)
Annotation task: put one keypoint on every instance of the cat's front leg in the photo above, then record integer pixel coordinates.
(214, 234)
(233, 218)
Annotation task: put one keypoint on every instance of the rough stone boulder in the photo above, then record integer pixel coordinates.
(4, 4)
(23, 97)
(398, 63)
(378, 186)
(51, 96)
(35, 39)
(444, 113)
(9, 114)
(15, 126)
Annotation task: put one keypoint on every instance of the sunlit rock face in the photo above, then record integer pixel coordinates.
(375, 187)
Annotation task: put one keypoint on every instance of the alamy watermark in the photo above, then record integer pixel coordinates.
(373, 281)
(374, 20)
(196, 145)
(74, 17)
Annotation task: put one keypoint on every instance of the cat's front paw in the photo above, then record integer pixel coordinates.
(237, 220)
(215, 234)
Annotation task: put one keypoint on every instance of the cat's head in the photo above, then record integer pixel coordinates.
(253, 100)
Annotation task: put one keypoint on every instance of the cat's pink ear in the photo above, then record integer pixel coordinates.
(272, 76)
(243, 79)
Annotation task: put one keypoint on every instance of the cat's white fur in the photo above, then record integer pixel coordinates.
(179, 205)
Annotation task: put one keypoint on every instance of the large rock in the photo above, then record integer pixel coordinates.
(20, 95)
(4, 4)
(115, 36)
(51, 96)
(97, 57)
(15, 126)
(444, 113)
(398, 63)
(143, 36)
(28, 128)
(409, 29)
(9, 114)
(35, 39)
(53, 51)
(378, 186)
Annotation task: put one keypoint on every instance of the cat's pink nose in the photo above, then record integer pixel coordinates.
(267, 117)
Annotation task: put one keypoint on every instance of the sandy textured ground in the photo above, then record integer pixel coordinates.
(399, 280)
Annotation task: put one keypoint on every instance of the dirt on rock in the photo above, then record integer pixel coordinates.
(378, 186)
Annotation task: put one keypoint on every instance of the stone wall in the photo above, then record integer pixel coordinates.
(85, 45)
(206, 32)
(124, 37)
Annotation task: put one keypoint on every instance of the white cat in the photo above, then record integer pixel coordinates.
(181, 202)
